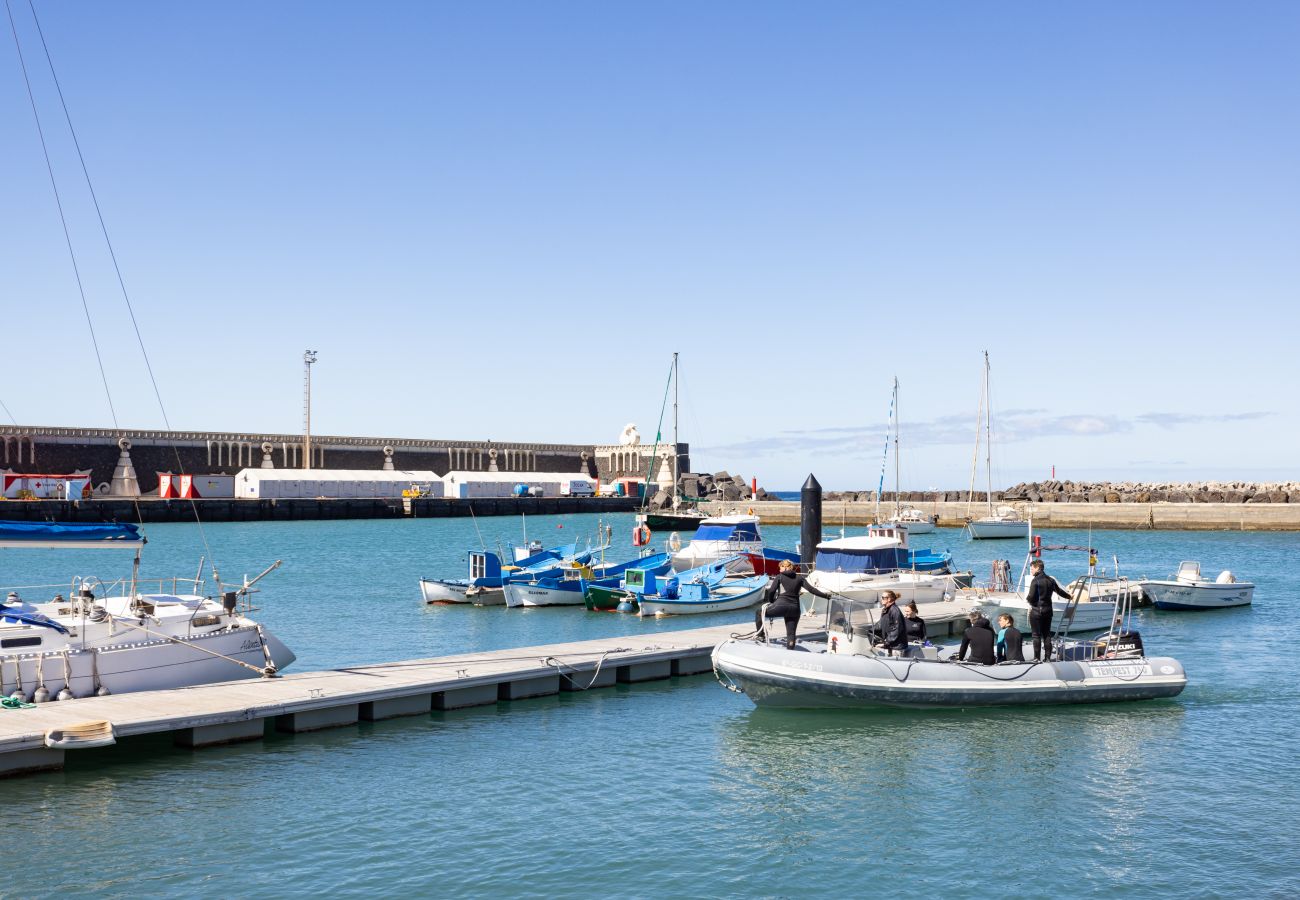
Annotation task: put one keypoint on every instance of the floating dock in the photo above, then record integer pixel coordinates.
(235, 711)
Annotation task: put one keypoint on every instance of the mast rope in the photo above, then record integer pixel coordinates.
(117, 269)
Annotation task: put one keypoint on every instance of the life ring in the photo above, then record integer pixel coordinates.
(640, 535)
(674, 542)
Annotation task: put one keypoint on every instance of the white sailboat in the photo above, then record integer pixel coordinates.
(118, 636)
(1003, 521)
(911, 520)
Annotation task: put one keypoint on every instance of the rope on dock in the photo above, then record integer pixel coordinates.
(560, 667)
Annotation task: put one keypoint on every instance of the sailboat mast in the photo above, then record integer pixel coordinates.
(897, 465)
(988, 433)
(975, 457)
(677, 475)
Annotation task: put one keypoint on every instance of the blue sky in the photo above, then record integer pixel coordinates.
(499, 221)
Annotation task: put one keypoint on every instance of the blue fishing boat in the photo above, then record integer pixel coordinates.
(487, 575)
(708, 588)
(566, 585)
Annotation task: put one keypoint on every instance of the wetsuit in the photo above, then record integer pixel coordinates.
(915, 629)
(978, 639)
(893, 628)
(1009, 645)
(1039, 598)
(785, 588)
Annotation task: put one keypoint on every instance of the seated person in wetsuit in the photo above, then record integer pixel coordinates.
(785, 588)
(915, 624)
(1008, 645)
(978, 638)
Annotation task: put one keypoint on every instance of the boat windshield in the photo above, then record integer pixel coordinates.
(842, 613)
(884, 559)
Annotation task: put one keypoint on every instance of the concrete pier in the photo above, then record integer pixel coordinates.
(239, 711)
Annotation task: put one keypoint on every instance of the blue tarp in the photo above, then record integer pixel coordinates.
(53, 532)
(884, 560)
(18, 617)
(746, 531)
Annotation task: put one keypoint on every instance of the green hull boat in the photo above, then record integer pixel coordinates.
(605, 598)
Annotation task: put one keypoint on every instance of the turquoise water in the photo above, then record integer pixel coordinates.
(680, 788)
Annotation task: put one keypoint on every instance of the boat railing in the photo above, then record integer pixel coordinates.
(119, 587)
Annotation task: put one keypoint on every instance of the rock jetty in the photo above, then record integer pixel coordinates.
(718, 486)
(1160, 492)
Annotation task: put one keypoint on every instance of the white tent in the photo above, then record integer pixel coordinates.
(333, 483)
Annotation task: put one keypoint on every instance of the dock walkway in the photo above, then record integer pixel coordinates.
(244, 710)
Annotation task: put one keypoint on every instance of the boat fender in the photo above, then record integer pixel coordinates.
(1226, 577)
(627, 606)
(42, 695)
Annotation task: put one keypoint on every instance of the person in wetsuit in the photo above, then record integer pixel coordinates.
(1039, 597)
(782, 593)
(915, 624)
(978, 638)
(1009, 645)
(893, 627)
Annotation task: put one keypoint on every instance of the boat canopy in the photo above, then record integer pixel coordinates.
(851, 559)
(741, 531)
(49, 535)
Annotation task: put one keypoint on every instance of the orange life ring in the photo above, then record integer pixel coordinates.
(640, 535)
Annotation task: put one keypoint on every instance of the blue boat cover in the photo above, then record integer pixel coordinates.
(54, 532)
(18, 617)
(746, 531)
(886, 559)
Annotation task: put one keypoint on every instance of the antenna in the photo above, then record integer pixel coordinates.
(308, 360)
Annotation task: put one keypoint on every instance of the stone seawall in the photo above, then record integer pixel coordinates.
(1162, 516)
(149, 510)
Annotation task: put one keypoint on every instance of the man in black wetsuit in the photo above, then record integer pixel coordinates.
(893, 627)
(978, 638)
(1039, 597)
(785, 587)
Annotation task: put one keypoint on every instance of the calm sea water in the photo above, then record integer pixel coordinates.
(680, 788)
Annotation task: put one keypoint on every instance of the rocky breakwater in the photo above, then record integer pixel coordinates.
(1163, 492)
(721, 486)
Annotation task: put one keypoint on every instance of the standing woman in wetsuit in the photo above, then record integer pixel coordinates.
(785, 587)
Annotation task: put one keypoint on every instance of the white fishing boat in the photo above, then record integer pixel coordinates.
(863, 566)
(95, 637)
(1187, 590)
(1004, 521)
(720, 537)
(847, 670)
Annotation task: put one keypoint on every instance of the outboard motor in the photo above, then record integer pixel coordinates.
(229, 600)
(1126, 643)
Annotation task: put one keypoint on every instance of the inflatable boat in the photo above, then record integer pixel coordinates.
(848, 670)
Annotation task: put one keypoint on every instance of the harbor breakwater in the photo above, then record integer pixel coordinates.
(1187, 516)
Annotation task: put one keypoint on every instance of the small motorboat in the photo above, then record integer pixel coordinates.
(711, 588)
(847, 670)
(1189, 591)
